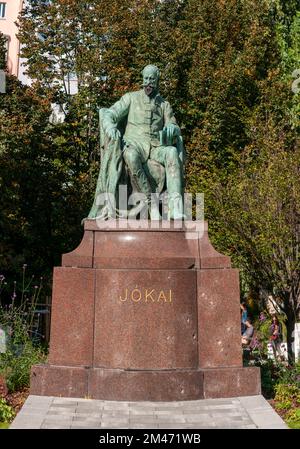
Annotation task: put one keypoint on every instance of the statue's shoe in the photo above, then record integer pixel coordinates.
(177, 216)
(154, 214)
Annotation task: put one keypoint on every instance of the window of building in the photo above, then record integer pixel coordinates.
(2, 10)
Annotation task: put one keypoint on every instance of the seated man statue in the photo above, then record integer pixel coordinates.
(151, 139)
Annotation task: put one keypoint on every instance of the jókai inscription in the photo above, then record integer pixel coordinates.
(147, 295)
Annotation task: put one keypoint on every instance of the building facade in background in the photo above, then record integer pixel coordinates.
(9, 11)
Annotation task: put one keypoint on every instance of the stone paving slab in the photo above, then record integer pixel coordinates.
(47, 412)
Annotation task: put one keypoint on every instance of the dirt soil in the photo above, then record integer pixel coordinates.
(280, 412)
(17, 399)
(3, 387)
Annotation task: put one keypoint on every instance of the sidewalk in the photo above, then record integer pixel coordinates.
(47, 412)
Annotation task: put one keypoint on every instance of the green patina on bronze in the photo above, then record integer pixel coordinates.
(141, 146)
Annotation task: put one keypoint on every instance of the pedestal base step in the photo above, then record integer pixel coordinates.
(126, 385)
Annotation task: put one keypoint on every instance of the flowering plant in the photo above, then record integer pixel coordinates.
(17, 315)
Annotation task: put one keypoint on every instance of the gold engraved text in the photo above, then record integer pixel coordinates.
(146, 295)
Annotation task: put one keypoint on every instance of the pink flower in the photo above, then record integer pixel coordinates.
(262, 317)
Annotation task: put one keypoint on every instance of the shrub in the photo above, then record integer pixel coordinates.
(293, 418)
(22, 350)
(287, 401)
(17, 316)
(286, 396)
(6, 412)
(273, 372)
(16, 366)
(270, 373)
(290, 375)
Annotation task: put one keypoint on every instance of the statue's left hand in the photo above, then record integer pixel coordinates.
(172, 131)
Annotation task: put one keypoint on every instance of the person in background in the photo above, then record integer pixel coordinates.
(244, 316)
(276, 337)
(248, 333)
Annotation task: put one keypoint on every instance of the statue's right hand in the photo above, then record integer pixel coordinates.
(113, 133)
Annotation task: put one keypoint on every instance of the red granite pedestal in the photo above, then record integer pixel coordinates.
(145, 313)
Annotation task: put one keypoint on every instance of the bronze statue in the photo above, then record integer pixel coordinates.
(141, 147)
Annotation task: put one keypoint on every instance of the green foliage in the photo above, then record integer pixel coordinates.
(17, 319)
(243, 150)
(6, 412)
(263, 331)
(18, 316)
(286, 394)
(290, 375)
(266, 239)
(262, 326)
(279, 380)
(287, 397)
(16, 363)
(2, 52)
(268, 378)
(273, 372)
(270, 373)
(293, 418)
(44, 183)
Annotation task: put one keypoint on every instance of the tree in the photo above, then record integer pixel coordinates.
(228, 48)
(50, 170)
(259, 207)
(262, 210)
(43, 191)
(243, 122)
(2, 52)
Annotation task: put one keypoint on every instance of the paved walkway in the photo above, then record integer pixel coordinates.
(47, 412)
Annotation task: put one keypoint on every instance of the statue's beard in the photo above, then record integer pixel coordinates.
(149, 89)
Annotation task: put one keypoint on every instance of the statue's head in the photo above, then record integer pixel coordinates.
(150, 79)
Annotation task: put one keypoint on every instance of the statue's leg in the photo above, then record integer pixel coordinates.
(169, 158)
(133, 160)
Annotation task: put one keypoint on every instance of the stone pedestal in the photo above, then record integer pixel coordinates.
(145, 313)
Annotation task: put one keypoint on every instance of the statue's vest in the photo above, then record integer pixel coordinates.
(146, 118)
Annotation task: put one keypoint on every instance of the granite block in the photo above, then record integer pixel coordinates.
(219, 322)
(59, 381)
(122, 385)
(231, 382)
(82, 256)
(147, 312)
(72, 318)
(146, 319)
